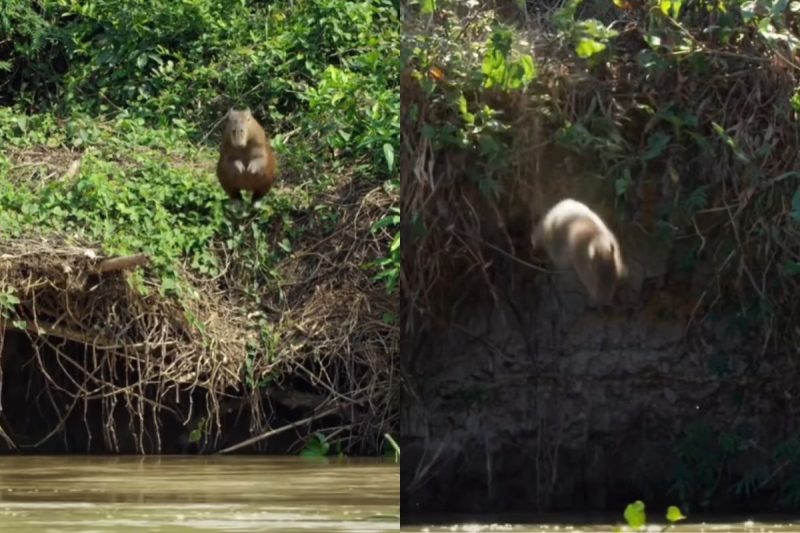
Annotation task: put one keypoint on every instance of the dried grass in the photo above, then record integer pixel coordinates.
(332, 320)
(140, 350)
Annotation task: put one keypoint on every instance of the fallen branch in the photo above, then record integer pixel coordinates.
(281, 429)
(122, 263)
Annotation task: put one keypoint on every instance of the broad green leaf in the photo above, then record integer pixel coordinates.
(796, 205)
(792, 267)
(388, 153)
(589, 47)
(428, 6)
(494, 68)
(8, 299)
(622, 185)
(656, 145)
(317, 446)
(674, 514)
(195, 435)
(635, 515)
(528, 67)
(463, 108)
(671, 8)
(596, 29)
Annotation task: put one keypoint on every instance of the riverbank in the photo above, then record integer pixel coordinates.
(276, 319)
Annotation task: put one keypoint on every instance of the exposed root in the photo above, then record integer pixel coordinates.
(337, 324)
(141, 350)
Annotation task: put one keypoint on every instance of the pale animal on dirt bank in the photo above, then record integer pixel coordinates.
(575, 237)
(246, 160)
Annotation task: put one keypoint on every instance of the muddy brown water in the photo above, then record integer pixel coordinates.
(112, 494)
(603, 523)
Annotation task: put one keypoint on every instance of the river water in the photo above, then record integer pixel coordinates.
(606, 523)
(113, 494)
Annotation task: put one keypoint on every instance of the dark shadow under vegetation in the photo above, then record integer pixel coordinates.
(266, 327)
(678, 123)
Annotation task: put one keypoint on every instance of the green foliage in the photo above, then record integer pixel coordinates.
(705, 455)
(500, 69)
(8, 302)
(329, 67)
(317, 446)
(635, 515)
(389, 267)
(671, 8)
(455, 73)
(199, 430)
(674, 514)
(166, 71)
(588, 37)
(796, 205)
(131, 200)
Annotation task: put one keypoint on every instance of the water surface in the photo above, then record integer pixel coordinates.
(602, 523)
(111, 494)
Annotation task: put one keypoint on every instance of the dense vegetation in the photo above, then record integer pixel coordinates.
(135, 92)
(686, 112)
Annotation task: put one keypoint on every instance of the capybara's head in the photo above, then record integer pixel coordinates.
(607, 266)
(238, 123)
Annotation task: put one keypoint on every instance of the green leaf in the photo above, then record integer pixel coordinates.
(11, 299)
(589, 47)
(195, 435)
(388, 153)
(317, 446)
(391, 220)
(635, 515)
(463, 108)
(622, 185)
(596, 30)
(428, 6)
(671, 8)
(730, 142)
(563, 17)
(528, 67)
(494, 68)
(796, 205)
(674, 514)
(656, 145)
(792, 267)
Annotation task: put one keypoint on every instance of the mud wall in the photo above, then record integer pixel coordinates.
(539, 401)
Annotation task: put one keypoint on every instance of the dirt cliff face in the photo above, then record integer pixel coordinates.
(541, 402)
